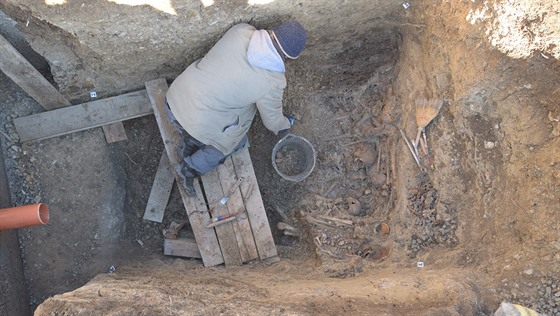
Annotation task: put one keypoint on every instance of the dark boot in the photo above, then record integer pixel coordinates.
(187, 176)
(188, 185)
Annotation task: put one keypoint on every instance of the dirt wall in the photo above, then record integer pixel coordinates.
(495, 142)
(488, 206)
(180, 288)
(112, 47)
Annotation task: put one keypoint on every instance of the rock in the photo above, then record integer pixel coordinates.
(489, 145)
(354, 207)
(377, 179)
(365, 153)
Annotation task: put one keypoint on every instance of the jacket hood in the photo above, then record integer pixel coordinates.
(262, 53)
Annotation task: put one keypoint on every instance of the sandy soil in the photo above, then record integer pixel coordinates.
(483, 215)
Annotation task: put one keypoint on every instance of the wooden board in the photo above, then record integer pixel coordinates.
(226, 235)
(241, 226)
(83, 116)
(17, 68)
(196, 209)
(255, 207)
(114, 132)
(161, 189)
(181, 247)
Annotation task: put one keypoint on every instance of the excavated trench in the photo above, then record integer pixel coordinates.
(475, 224)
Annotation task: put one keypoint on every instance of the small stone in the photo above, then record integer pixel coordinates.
(489, 145)
(529, 271)
(354, 206)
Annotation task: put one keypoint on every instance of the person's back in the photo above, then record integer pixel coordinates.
(221, 90)
(213, 102)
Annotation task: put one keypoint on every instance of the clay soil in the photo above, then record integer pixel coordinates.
(477, 223)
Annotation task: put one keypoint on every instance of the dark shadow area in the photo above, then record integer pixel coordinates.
(10, 31)
(13, 293)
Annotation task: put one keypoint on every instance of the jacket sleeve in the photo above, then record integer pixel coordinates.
(270, 110)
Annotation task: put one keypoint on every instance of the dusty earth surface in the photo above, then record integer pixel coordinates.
(483, 216)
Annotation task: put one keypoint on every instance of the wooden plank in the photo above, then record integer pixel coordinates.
(83, 116)
(241, 226)
(255, 207)
(196, 209)
(17, 68)
(161, 189)
(225, 232)
(114, 132)
(181, 247)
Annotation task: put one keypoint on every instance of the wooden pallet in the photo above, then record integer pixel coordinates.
(246, 238)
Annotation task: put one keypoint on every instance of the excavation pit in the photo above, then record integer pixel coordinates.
(491, 165)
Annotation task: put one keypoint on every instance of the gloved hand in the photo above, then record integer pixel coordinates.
(292, 119)
(283, 133)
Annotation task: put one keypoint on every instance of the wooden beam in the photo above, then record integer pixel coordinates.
(255, 207)
(83, 116)
(17, 68)
(226, 235)
(196, 209)
(161, 189)
(114, 132)
(181, 247)
(241, 226)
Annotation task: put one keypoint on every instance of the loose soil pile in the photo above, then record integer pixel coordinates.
(290, 160)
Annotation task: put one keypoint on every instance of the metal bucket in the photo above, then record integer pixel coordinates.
(293, 158)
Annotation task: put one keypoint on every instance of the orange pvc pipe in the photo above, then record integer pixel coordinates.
(24, 216)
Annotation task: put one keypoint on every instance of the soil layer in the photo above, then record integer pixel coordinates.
(475, 222)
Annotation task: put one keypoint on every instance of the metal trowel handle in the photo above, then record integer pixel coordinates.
(231, 191)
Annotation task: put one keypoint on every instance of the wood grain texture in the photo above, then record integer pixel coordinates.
(83, 116)
(226, 235)
(241, 226)
(255, 207)
(182, 247)
(161, 189)
(114, 132)
(195, 207)
(17, 68)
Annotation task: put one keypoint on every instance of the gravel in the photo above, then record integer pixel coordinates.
(435, 224)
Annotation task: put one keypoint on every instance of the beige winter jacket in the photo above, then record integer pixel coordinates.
(215, 99)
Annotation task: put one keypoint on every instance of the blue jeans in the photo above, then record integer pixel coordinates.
(199, 157)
